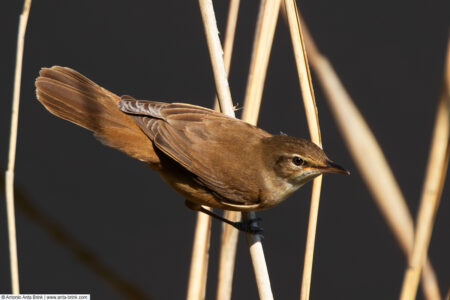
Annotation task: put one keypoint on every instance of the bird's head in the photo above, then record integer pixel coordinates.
(297, 161)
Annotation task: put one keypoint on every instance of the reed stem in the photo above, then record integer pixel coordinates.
(432, 189)
(224, 97)
(230, 234)
(309, 101)
(369, 159)
(9, 175)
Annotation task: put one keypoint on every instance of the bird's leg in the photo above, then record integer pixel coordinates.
(246, 226)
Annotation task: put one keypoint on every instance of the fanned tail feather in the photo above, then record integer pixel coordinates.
(73, 97)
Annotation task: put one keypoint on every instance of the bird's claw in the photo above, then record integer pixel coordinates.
(249, 226)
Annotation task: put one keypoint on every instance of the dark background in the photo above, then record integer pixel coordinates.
(133, 228)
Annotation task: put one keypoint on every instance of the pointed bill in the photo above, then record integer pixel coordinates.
(334, 168)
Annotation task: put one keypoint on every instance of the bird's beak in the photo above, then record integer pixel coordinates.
(331, 167)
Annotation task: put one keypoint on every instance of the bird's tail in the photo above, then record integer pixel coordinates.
(73, 97)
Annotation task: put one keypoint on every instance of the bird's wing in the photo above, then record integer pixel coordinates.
(214, 147)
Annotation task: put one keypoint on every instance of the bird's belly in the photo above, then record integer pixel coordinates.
(183, 182)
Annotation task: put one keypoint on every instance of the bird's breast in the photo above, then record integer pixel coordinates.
(276, 190)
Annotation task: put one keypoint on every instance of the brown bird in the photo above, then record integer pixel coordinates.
(209, 158)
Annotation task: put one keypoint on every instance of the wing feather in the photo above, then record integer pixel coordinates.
(204, 142)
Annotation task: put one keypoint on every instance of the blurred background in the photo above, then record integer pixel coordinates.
(92, 220)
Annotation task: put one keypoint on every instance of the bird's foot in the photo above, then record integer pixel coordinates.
(249, 226)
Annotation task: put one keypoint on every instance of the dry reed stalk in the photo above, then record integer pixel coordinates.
(200, 255)
(227, 257)
(314, 131)
(265, 30)
(262, 45)
(216, 56)
(264, 33)
(258, 261)
(9, 175)
(230, 33)
(199, 261)
(233, 11)
(304, 74)
(229, 234)
(369, 159)
(224, 96)
(432, 190)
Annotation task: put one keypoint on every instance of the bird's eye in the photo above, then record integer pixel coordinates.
(296, 160)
